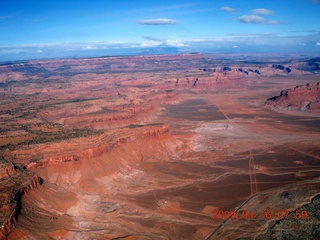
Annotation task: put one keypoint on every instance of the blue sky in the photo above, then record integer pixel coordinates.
(57, 28)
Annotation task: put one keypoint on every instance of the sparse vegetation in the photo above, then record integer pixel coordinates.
(44, 137)
(104, 110)
(140, 125)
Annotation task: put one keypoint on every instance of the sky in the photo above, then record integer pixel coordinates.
(63, 28)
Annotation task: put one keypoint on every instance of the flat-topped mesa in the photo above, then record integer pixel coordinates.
(212, 81)
(56, 67)
(262, 70)
(81, 149)
(154, 130)
(304, 98)
(131, 107)
(15, 183)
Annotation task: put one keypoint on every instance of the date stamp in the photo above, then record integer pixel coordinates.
(267, 214)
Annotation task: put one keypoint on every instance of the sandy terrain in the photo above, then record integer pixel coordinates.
(160, 147)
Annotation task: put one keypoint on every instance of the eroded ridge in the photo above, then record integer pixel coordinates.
(15, 182)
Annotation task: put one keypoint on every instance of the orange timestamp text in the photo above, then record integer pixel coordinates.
(267, 214)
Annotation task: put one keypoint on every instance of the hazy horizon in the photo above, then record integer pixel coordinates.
(59, 29)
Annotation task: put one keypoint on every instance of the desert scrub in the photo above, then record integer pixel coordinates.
(62, 135)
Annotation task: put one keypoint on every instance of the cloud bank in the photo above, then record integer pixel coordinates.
(249, 42)
(153, 41)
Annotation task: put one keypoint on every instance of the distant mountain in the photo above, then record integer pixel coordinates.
(161, 49)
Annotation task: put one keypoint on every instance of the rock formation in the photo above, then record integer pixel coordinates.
(83, 150)
(303, 98)
(15, 182)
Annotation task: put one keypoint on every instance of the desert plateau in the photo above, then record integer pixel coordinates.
(181, 146)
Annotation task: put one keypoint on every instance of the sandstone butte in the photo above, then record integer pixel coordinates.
(151, 147)
(304, 98)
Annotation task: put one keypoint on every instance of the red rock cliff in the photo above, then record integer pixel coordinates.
(15, 183)
(81, 149)
(304, 98)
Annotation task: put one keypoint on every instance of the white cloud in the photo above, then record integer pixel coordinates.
(235, 42)
(150, 43)
(228, 9)
(255, 35)
(262, 11)
(153, 42)
(174, 43)
(198, 40)
(256, 19)
(90, 47)
(158, 21)
(251, 19)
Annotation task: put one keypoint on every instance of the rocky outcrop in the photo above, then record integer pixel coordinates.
(101, 145)
(211, 82)
(128, 107)
(303, 98)
(7, 168)
(15, 182)
(263, 70)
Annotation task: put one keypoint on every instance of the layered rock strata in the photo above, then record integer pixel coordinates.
(15, 182)
(304, 98)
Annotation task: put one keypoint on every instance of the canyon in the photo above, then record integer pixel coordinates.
(187, 146)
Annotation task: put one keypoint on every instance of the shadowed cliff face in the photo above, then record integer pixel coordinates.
(15, 183)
